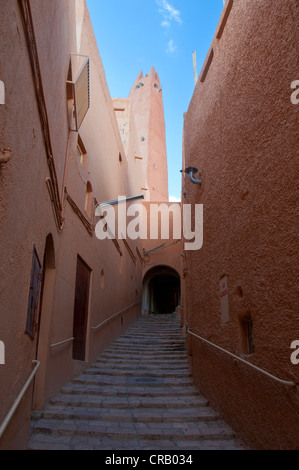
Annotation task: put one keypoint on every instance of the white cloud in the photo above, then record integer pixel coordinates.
(169, 13)
(174, 199)
(171, 47)
(165, 24)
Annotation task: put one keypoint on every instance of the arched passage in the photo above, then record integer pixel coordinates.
(44, 320)
(161, 290)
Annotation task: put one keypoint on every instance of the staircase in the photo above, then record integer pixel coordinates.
(139, 395)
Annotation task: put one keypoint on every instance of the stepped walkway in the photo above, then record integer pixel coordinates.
(139, 395)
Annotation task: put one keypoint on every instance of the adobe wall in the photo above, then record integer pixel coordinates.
(115, 274)
(241, 132)
(27, 215)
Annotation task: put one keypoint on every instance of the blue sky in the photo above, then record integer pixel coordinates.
(134, 35)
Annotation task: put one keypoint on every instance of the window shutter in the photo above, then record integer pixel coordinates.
(33, 294)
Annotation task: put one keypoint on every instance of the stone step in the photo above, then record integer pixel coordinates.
(141, 373)
(131, 430)
(152, 415)
(146, 339)
(137, 333)
(147, 346)
(145, 358)
(133, 381)
(138, 391)
(139, 364)
(152, 334)
(41, 441)
(129, 348)
(130, 401)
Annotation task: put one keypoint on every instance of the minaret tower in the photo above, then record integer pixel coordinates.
(147, 111)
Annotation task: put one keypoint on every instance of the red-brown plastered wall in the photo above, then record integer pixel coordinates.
(241, 132)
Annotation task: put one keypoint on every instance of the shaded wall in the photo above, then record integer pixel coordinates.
(43, 197)
(241, 288)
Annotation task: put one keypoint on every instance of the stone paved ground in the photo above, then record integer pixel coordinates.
(139, 395)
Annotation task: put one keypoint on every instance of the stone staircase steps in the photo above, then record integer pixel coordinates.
(138, 395)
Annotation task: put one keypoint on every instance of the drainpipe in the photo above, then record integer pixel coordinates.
(119, 201)
(191, 171)
(65, 168)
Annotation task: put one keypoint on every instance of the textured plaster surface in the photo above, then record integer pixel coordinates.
(241, 132)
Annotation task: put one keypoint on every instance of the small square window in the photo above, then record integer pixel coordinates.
(247, 338)
(81, 152)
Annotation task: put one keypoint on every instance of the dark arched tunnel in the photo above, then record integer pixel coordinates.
(161, 290)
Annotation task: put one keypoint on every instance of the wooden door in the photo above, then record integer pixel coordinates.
(35, 281)
(81, 310)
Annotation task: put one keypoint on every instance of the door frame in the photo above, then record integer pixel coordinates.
(85, 336)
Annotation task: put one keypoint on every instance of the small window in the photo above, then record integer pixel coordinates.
(79, 89)
(102, 279)
(250, 337)
(81, 152)
(247, 339)
(34, 289)
(88, 199)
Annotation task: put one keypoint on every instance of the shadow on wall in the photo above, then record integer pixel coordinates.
(161, 290)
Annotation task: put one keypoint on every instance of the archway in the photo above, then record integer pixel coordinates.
(44, 321)
(161, 290)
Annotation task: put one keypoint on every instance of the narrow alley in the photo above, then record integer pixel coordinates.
(149, 258)
(138, 395)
